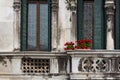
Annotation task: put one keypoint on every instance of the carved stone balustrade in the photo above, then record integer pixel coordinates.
(95, 64)
(33, 65)
(70, 65)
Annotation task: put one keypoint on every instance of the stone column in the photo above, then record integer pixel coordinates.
(16, 27)
(55, 33)
(73, 10)
(110, 9)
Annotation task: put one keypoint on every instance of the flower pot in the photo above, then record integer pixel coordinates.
(84, 49)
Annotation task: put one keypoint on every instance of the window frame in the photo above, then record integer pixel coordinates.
(24, 24)
(99, 25)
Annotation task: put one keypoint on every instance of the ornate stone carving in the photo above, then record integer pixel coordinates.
(54, 5)
(16, 5)
(101, 65)
(94, 65)
(87, 65)
(71, 5)
(105, 64)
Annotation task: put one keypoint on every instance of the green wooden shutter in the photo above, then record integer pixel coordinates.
(49, 24)
(80, 19)
(117, 26)
(99, 24)
(23, 24)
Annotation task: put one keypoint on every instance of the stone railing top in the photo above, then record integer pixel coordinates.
(94, 52)
(60, 54)
(34, 53)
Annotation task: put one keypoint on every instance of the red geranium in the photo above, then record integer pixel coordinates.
(69, 46)
(84, 44)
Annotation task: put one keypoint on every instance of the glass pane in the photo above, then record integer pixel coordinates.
(43, 26)
(88, 20)
(32, 26)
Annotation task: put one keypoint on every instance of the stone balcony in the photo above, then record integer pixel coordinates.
(94, 64)
(33, 65)
(70, 65)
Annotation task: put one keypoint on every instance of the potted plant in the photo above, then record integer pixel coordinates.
(83, 44)
(69, 46)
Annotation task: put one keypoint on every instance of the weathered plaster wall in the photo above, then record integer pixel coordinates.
(9, 38)
(6, 25)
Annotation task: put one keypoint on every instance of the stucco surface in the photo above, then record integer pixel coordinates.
(6, 25)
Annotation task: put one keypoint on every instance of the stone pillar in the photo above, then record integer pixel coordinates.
(55, 37)
(73, 10)
(16, 27)
(110, 8)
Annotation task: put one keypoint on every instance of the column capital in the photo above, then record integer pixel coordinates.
(109, 7)
(17, 5)
(54, 5)
(71, 5)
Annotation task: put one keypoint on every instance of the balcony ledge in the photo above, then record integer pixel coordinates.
(34, 53)
(100, 53)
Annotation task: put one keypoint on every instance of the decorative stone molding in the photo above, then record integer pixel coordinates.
(110, 10)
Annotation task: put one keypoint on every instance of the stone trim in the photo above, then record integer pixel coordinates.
(33, 53)
(55, 29)
(16, 28)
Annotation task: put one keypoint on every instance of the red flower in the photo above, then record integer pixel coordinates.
(69, 46)
(65, 48)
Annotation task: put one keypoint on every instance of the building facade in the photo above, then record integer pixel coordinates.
(33, 34)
